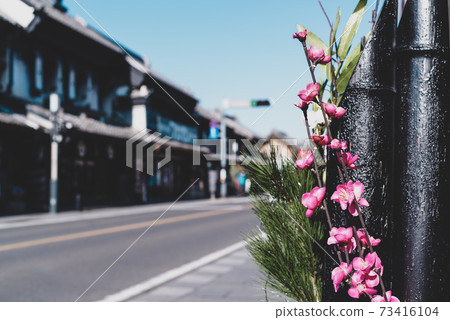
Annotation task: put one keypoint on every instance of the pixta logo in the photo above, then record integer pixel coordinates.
(143, 146)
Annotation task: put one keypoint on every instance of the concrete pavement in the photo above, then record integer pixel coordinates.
(232, 278)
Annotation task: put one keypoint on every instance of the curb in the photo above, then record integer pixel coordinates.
(170, 275)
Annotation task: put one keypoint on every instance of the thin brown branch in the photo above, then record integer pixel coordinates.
(319, 180)
(328, 19)
(326, 16)
(342, 165)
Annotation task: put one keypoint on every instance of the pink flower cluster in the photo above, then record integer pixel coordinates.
(365, 277)
(389, 295)
(332, 111)
(317, 55)
(362, 238)
(301, 36)
(343, 238)
(312, 200)
(338, 145)
(302, 105)
(363, 273)
(321, 140)
(347, 194)
(348, 160)
(310, 93)
(307, 95)
(304, 159)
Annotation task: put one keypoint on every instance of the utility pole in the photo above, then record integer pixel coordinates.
(422, 151)
(226, 104)
(54, 140)
(223, 150)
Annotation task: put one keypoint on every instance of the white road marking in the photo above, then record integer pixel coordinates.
(172, 291)
(154, 282)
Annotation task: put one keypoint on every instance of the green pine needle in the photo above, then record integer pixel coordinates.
(283, 250)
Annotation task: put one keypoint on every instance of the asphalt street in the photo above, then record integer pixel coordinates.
(45, 258)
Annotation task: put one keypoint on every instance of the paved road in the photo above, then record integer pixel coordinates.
(43, 258)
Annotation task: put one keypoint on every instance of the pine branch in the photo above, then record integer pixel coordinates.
(284, 250)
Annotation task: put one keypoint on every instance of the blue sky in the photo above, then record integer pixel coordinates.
(225, 49)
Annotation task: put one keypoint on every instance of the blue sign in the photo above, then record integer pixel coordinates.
(214, 132)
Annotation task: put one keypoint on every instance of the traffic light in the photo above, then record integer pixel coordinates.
(260, 103)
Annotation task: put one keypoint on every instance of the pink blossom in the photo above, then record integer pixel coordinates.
(310, 93)
(317, 55)
(348, 160)
(305, 159)
(356, 290)
(339, 274)
(302, 105)
(322, 140)
(372, 279)
(312, 200)
(366, 265)
(343, 237)
(358, 189)
(389, 295)
(362, 238)
(335, 144)
(344, 195)
(300, 35)
(338, 145)
(339, 112)
(365, 270)
(333, 111)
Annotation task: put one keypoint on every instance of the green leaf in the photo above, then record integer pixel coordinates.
(335, 27)
(347, 69)
(350, 29)
(312, 39)
(326, 69)
(315, 107)
(339, 100)
(323, 85)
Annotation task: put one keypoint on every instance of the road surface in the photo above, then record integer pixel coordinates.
(58, 259)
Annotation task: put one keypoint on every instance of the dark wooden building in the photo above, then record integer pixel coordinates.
(108, 95)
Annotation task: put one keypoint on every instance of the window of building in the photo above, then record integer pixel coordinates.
(38, 75)
(81, 89)
(71, 84)
(4, 67)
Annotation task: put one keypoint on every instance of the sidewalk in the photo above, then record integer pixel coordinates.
(233, 278)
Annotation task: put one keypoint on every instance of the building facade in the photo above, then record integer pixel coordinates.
(108, 95)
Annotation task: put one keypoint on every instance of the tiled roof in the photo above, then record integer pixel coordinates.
(16, 119)
(84, 124)
(43, 8)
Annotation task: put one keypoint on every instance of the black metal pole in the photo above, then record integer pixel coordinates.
(422, 190)
(369, 100)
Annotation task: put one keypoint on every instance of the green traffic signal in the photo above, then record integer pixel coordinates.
(260, 103)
